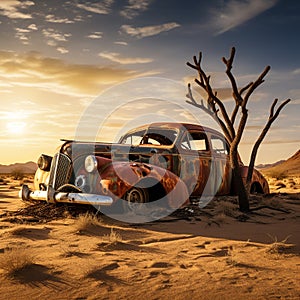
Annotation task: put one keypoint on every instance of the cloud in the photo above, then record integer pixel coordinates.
(121, 43)
(32, 27)
(53, 19)
(235, 13)
(51, 43)
(256, 128)
(279, 142)
(115, 57)
(23, 38)
(12, 9)
(102, 8)
(95, 35)
(62, 50)
(23, 33)
(296, 72)
(295, 102)
(134, 8)
(56, 76)
(224, 92)
(22, 30)
(56, 35)
(141, 32)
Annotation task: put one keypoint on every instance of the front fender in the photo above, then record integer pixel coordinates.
(119, 177)
(41, 177)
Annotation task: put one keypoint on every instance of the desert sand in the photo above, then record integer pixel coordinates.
(64, 252)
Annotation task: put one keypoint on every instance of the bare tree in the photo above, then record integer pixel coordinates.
(233, 127)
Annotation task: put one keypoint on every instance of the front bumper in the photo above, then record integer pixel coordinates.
(62, 197)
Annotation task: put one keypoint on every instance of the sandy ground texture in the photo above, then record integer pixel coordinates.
(67, 252)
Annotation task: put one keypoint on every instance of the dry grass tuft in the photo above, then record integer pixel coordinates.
(273, 202)
(228, 209)
(68, 251)
(220, 218)
(26, 181)
(279, 175)
(278, 247)
(231, 256)
(3, 181)
(17, 174)
(86, 222)
(114, 237)
(279, 184)
(14, 260)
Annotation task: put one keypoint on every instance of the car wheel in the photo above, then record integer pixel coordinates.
(256, 188)
(135, 199)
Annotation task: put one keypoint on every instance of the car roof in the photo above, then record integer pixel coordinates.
(175, 125)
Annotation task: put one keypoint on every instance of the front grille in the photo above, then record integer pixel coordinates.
(60, 171)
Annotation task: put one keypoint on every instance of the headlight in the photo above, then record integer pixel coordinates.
(90, 163)
(44, 162)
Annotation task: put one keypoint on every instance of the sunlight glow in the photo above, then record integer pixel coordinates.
(15, 127)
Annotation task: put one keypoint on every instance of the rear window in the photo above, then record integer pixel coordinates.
(219, 145)
(196, 141)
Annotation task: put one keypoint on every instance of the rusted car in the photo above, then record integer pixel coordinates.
(168, 163)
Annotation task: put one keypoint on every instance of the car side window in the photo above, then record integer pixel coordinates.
(152, 141)
(157, 136)
(133, 139)
(219, 145)
(196, 141)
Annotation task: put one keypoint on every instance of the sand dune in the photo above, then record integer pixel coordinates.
(64, 252)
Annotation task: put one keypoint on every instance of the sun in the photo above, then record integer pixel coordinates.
(15, 127)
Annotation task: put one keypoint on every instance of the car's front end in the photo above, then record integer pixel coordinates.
(52, 183)
(100, 174)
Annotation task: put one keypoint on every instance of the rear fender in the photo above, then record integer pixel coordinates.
(257, 178)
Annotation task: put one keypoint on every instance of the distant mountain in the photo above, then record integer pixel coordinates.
(27, 168)
(290, 166)
(263, 166)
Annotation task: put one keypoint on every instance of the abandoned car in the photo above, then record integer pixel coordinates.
(167, 162)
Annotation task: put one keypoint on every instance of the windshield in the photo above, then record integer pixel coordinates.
(152, 136)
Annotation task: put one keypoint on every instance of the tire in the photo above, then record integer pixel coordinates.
(256, 188)
(135, 199)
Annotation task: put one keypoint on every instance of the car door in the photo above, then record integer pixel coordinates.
(195, 161)
(221, 175)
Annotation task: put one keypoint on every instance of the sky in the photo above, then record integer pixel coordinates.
(93, 69)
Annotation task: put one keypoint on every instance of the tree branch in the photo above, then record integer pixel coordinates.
(255, 84)
(228, 64)
(212, 100)
(272, 118)
(212, 111)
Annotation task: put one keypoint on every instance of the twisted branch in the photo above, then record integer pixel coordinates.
(272, 117)
(209, 110)
(212, 100)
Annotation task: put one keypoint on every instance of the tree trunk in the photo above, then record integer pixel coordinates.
(243, 195)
